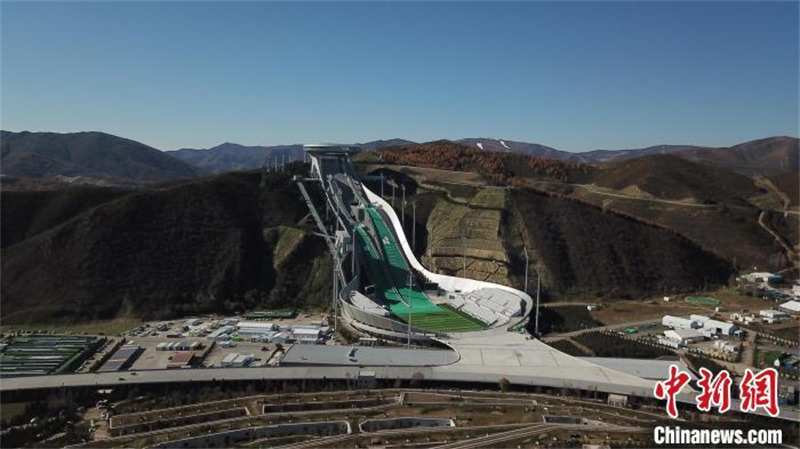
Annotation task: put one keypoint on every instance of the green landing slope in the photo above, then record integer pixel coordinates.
(389, 272)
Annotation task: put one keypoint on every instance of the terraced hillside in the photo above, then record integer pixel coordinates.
(579, 248)
(478, 221)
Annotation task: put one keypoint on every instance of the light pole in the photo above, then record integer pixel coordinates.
(382, 181)
(393, 193)
(409, 309)
(527, 263)
(335, 318)
(414, 227)
(464, 255)
(538, 288)
(404, 205)
(353, 252)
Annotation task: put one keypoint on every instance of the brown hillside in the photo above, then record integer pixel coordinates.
(27, 213)
(789, 184)
(763, 156)
(201, 246)
(671, 177)
(497, 168)
(588, 251)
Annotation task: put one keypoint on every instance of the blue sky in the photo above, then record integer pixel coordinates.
(575, 76)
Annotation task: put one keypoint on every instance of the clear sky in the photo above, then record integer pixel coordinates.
(573, 75)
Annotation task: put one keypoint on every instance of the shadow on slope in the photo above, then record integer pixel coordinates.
(194, 247)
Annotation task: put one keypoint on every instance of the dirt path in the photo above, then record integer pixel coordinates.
(788, 249)
(593, 189)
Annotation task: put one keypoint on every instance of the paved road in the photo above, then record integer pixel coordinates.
(602, 328)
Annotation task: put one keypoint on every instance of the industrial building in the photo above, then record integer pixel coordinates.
(760, 277)
(122, 359)
(221, 334)
(725, 346)
(45, 354)
(684, 336)
(745, 318)
(306, 336)
(791, 306)
(179, 346)
(255, 327)
(181, 360)
(236, 360)
(676, 322)
(715, 326)
(772, 316)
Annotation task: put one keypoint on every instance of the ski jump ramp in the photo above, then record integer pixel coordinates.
(386, 306)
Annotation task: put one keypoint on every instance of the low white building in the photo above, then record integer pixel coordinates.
(772, 316)
(745, 318)
(676, 322)
(221, 334)
(719, 327)
(726, 346)
(236, 360)
(255, 327)
(669, 342)
(280, 338)
(306, 336)
(684, 336)
(791, 306)
(760, 277)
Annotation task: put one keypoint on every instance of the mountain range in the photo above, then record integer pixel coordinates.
(88, 158)
(228, 242)
(103, 159)
(769, 155)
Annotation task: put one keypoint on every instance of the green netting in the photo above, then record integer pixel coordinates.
(702, 300)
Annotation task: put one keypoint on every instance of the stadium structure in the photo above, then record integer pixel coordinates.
(385, 291)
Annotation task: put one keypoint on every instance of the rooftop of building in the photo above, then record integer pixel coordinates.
(366, 356)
